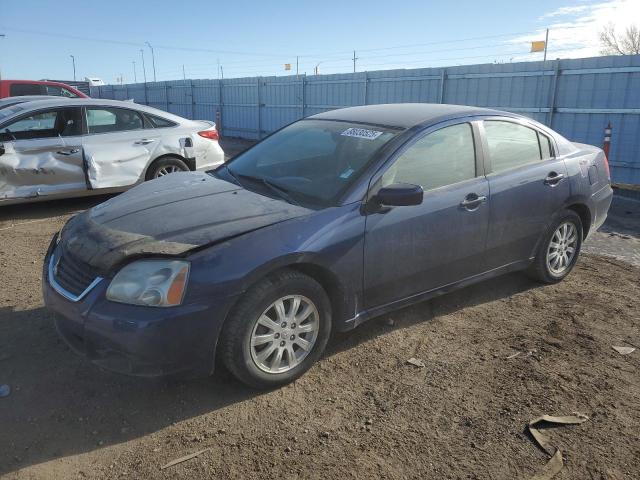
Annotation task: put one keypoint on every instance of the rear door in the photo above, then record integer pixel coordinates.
(117, 146)
(414, 249)
(41, 154)
(528, 185)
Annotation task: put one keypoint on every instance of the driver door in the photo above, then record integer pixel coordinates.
(410, 250)
(41, 154)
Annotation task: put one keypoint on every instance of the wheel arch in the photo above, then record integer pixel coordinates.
(584, 213)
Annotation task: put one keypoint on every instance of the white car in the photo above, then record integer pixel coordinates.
(68, 148)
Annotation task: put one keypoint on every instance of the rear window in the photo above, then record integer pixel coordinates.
(20, 89)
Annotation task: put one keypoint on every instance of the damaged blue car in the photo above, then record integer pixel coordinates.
(326, 223)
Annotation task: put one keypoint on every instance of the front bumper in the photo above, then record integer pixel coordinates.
(137, 340)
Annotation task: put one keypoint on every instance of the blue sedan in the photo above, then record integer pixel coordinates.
(328, 222)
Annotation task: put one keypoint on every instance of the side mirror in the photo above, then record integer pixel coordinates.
(400, 195)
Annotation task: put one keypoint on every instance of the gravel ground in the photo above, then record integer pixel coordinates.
(362, 411)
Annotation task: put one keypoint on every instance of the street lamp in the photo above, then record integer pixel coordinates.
(144, 69)
(153, 59)
(2, 35)
(73, 60)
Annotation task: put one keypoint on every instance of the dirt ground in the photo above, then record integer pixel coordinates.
(362, 411)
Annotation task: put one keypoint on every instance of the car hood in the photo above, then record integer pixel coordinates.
(170, 216)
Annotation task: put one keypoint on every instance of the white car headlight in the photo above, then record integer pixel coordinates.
(153, 283)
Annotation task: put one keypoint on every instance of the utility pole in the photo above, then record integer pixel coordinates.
(354, 61)
(297, 58)
(184, 75)
(2, 35)
(144, 70)
(153, 60)
(73, 59)
(546, 44)
(221, 72)
(135, 77)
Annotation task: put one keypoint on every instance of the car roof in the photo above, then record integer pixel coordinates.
(100, 102)
(405, 115)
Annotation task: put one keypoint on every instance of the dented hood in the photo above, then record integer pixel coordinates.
(170, 216)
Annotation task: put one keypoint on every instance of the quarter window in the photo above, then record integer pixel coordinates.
(440, 158)
(105, 120)
(511, 145)
(59, 91)
(545, 146)
(159, 122)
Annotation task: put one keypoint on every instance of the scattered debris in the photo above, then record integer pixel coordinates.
(624, 350)
(5, 390)
(416, 362)
(183, 459)
(555, 464)
(513, 355)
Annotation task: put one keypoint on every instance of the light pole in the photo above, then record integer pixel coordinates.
(73, 60)
(153, 60)
(2, 35)
(144, 70)
(135, 77)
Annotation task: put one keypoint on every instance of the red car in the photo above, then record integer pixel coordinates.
(18, 88)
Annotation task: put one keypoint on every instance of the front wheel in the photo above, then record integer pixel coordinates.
(279, 328)
(559, 250)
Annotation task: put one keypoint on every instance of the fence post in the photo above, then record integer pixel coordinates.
(554, 89)
(259, 110)
(166, 96)
(366, 83)
(443, 79)
(193, 100)
(304, 84)
(220, 106)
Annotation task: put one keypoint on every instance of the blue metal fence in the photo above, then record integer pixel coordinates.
(576, 97)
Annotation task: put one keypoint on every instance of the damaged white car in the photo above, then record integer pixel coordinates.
(67, 148)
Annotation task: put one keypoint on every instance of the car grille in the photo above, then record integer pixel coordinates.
(73, 275)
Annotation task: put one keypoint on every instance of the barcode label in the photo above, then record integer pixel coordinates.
(361, 133)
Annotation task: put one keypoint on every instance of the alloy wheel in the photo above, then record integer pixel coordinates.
(285, 333)
(167, 170)
(562, 248)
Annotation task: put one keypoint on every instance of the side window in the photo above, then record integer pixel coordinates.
(54, 90)
(511, 145)
(545, 146)
(106, 119)
(20, 89)
(440, 158)
(64, 122)
(159, 122)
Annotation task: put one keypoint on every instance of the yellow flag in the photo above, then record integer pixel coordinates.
(538, 46)
(287, 66)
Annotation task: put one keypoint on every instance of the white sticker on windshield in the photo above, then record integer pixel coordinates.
(361, 133)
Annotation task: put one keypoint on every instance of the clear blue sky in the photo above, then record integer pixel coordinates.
(258, 37)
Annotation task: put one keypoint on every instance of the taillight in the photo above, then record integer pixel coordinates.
(211, 134)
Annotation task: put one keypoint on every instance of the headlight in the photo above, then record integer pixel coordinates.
(154, 283)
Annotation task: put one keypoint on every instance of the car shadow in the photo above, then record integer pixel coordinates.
(61, 405)
(24, 212)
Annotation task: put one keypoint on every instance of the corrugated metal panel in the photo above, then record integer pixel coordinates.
(576, 97)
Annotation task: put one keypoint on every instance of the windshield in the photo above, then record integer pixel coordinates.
(310, 161)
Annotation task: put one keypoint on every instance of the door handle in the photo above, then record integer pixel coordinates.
(144, 141)
(472, 201)
(68, 152)
(553, 178)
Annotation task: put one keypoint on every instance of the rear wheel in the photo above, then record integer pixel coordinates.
(558, 253)
(165, 166)
(277, 331)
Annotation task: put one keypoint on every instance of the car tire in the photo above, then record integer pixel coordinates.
(164, 166)
(559, 249)
(242, 346)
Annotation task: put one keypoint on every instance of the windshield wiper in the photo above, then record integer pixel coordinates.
(277, 189)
